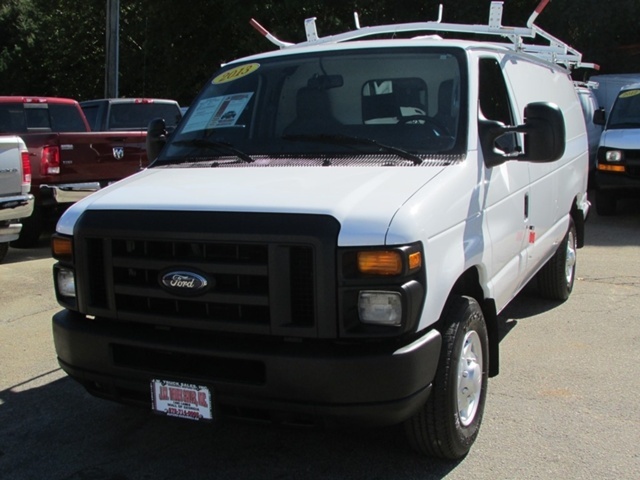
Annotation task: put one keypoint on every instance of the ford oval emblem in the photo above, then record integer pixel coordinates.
(182, 282)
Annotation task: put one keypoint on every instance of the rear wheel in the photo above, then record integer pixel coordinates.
(556, 278)
(449, 422)
(4, 248)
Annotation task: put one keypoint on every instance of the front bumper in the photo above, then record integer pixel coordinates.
(619, 183)
(357, 384)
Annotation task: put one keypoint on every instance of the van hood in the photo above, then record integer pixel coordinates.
(363, 199)
(626, 138)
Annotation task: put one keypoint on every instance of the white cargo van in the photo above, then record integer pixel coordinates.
(330, 234)
(609, 86)
(590, 109)
(618, 163)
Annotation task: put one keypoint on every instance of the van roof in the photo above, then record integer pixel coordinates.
(420, 41)
(631, 86)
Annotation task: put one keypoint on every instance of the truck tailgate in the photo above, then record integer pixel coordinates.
(101, 156)
(10, 166)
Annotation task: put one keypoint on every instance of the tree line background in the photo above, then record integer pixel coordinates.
(169, 48)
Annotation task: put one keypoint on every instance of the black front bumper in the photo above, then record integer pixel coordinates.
(618, 183)
(368, 384)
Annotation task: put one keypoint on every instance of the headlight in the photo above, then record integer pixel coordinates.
(614, 156)
(380, 308)
(65, 282)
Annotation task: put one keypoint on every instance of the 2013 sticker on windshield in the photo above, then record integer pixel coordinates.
(236, 73)
(218, 112)
(629, 93)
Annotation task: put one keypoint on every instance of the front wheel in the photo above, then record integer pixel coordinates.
(449, 422)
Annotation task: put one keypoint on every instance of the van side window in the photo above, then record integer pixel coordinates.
(494, 101)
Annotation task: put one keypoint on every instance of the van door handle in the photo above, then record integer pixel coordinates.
(526, 206)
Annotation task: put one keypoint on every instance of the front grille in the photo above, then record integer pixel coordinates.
(176, 363)
(632, 159)
(267, 274)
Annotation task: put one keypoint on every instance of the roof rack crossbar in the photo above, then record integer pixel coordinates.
(556, 52)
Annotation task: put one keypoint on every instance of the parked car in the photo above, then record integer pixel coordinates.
(68, 162)
(590, 106)
(609, 85)
(117, 114)
(339, 249)
(16, 203)
(617, 172)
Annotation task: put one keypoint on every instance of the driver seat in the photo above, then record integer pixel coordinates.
(313, 113)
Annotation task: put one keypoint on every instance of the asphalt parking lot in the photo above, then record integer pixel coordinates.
(564, 406)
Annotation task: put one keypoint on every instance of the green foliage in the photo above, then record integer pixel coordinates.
(169, 49)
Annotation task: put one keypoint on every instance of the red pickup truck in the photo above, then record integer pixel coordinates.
(68, 161)
(118, 114)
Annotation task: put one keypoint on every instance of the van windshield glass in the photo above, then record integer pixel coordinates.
(408, 102)
(626, 111)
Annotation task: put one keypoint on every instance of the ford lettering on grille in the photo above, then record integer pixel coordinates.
(184, 283)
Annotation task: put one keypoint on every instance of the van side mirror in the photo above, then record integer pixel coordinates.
(156, 138)
(599, 117)
(544, 135)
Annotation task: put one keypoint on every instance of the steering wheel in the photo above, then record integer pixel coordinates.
(420, 119)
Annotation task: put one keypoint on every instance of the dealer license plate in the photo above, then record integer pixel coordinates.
(182, 400)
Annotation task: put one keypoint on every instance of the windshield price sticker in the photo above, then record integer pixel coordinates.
(236, 73)
(181, 400)
(218, 112)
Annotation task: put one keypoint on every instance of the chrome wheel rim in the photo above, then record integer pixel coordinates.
(469, 386)
(570, 263)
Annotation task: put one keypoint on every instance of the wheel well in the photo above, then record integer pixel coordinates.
(578, 221)
(468, 284)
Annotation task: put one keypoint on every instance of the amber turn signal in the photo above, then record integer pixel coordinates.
(61, 247)
(611, 168)
(415, 261)
(385, 262)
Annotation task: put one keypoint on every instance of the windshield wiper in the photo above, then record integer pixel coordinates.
(201, 143)
(349, 140)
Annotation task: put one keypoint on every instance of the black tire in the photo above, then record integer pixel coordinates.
(448, 424)
(32, 228)
(557, 276)
(4, 248)
(606, 203)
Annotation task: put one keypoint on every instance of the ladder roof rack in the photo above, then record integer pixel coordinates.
(555, 51)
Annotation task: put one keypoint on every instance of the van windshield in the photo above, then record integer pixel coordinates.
(626, 110)
(409, 102)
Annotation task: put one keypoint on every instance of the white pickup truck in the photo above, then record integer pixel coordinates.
(16, 202)
(330, 234)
